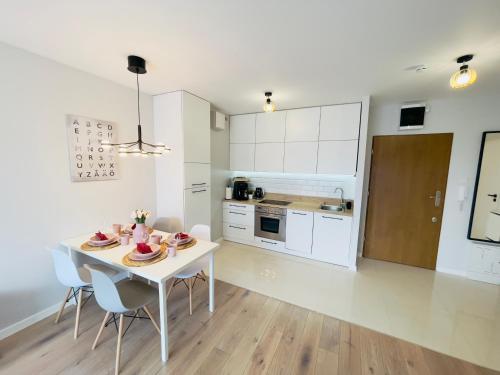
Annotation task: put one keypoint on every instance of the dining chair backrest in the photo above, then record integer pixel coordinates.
(105, 291)
(200, 231)
(66, 271)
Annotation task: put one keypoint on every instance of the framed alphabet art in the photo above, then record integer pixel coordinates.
(89, 159)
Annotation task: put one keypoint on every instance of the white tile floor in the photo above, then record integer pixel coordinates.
(446, 313)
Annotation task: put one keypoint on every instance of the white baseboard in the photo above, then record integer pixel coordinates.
(219, 240)
(26, 322)
(451, 271)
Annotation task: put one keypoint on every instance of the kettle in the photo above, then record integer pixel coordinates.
(259, 193)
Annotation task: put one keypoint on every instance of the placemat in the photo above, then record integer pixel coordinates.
(139, 263)
(87, 247)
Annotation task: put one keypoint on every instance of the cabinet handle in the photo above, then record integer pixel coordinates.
(332, 218)
(237, 213)
(272, 243)
(237, 206)
(200, 184)
(198, 191)
(299, 213)
(232, 226)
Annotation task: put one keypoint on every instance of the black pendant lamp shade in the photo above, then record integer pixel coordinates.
(137, 65)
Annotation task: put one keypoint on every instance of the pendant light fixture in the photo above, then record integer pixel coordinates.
(137, 65)
(465, 76)
(269, 106)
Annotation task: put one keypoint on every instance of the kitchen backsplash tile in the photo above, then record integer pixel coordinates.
(315, 186)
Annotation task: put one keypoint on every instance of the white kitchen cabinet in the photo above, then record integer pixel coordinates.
(238, 232)
(269, 244)
(299, 228)
(242, 156)
(242, 129)
(302, 124)
(270, 127)
(337, 157)
(238, 217)
(331, 238)
(196, 207)
(196, 175)
(269, 157)
(300, 157)
(231, 205)
(196, 122)
(340, 122)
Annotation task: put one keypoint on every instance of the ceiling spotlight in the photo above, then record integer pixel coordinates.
(465, 76)
(269, 106)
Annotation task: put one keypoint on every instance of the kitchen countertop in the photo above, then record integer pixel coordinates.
(299, 202)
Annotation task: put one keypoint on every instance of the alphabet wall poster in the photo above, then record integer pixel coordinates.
(89, 159)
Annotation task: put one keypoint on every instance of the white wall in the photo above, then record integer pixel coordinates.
(40, 204)
(219, 158)
(467, 115)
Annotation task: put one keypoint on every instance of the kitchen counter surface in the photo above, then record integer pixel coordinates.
(299, 202)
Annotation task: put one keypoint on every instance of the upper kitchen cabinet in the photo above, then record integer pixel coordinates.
(196, 121)
(270, 127)
(340, 122)
(242, 129)
(300, 157)
(269, 157)
(302, 125)
(242, 156)
(337, 157)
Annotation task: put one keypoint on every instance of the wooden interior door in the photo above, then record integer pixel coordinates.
(408, 173)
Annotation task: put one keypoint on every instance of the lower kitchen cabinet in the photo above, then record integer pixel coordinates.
(196, 207)
(331, 238)
(299, 228)
(238, 222)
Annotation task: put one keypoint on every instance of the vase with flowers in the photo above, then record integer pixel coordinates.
(139, 230)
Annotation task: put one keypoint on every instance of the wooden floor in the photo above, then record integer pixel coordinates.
(248, 334)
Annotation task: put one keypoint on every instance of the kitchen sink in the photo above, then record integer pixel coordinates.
(330, 207)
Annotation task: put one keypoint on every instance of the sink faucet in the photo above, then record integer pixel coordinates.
(342, 202)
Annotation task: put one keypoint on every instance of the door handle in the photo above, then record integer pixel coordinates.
(437, 198)
(494, 196)
(198, 191)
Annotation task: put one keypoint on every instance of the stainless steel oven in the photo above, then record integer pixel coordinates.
(270, 222)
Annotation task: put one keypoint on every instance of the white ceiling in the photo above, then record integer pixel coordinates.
(229, 52)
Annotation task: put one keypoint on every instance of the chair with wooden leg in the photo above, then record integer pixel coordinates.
(77, 280)
(125, 296)
(195, 272)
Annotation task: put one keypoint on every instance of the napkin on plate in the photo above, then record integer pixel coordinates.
(101, 236)
(144, 248)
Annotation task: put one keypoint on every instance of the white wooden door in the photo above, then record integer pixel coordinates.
(269, 157)
(270, 127)
(331, 238)
(196, 207)
(340, 122)
(299, 227)
(301, 157)
(242, 129)
(242, 156)
(196, 124)
(302, 124)
(337, 157)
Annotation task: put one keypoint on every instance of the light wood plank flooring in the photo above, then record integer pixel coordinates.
(248, 334)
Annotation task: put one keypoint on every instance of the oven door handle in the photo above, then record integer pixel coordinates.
(272, 216)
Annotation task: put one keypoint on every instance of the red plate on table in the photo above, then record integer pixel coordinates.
(94, 241)
(135, 255)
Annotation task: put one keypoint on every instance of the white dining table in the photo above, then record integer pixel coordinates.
(158, 272)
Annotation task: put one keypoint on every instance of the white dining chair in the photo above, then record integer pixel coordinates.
(77, 280)
(125, 296)
(194, 272)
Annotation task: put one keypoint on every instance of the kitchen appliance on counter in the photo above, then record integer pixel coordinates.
(259, 193)
(240, 188)
(270, 222)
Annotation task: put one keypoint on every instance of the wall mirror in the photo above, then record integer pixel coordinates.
(484, 222)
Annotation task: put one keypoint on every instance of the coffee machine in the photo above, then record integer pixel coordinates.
(240, 188)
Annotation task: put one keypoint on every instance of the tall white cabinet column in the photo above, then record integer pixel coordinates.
(183, 175)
